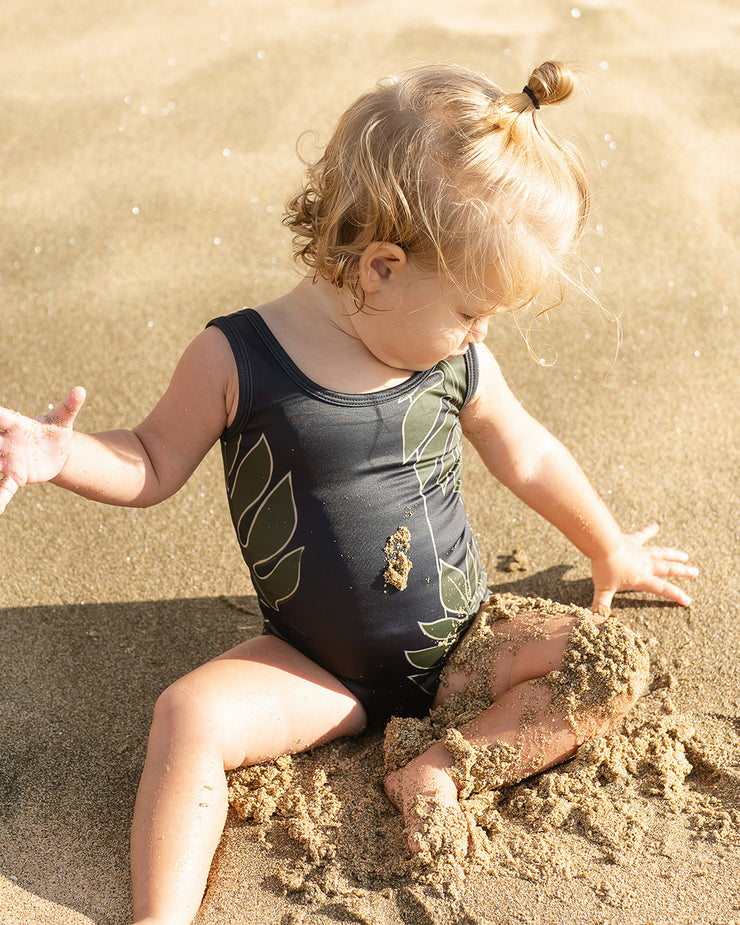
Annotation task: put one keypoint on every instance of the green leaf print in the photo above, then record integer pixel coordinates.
(282, 582)
(451, 471)
(264, 533)
(426, 658)
(458, 592)
(430, 432)
(441, 454)
(432, 454)
(230, 451)
(454, 588)
(251, 479)
(418, 423)
(472, 567)
(432, 444)
(274, 523)
(443, 630)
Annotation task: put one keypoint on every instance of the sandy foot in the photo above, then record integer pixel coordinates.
(427, 797)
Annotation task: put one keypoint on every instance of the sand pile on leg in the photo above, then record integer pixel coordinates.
(655, 772)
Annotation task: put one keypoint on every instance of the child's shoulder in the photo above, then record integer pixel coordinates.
(207, 371)
(493, 400)
(211, 349)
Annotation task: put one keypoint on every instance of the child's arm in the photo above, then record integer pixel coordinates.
(526, 458)
(137, 467)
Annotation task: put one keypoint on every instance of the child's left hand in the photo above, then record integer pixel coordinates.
(636, 567)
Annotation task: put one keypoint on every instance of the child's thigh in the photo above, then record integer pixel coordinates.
(262, 699)
(528, 646)
(531, 647)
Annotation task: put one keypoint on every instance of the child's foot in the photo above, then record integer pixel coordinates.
(427, 797)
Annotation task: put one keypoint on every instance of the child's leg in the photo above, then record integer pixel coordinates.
(529, 728)
(260, 700)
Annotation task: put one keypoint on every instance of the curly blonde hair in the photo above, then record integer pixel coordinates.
(462, 176)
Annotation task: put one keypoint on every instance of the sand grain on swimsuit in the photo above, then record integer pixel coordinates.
(398, 563)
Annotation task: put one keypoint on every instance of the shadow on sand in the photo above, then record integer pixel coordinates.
(78, 686)
(77, 692)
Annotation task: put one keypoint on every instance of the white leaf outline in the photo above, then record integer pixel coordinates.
(435, 380)
(289, 478)
(260, 444)
(260, 581)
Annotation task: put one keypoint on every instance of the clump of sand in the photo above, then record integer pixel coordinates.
(654, 770)
(398, 564)
(516, 561)
(481, 768)
(603, 666)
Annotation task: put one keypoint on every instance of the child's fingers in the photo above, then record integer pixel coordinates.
(653, 580)
(7, 489)
(676, 569)
(67, 410)
(665, 589)
(668, 553)
(602, 600)
(674, 555)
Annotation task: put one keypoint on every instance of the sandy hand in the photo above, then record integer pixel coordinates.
(637, 567)
(35, 449)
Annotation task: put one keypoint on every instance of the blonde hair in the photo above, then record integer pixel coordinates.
(462, 176)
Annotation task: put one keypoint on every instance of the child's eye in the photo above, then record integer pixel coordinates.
(468, 319)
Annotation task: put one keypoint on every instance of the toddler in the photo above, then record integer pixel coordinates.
(439, 202)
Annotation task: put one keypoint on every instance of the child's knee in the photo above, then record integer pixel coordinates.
(604, 671)
(183, 709)
(512, 640)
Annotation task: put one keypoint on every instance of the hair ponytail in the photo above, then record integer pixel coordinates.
(552, 82)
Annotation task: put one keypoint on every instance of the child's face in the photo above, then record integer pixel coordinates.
(417, 318)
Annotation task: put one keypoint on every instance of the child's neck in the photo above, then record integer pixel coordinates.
(313, 325)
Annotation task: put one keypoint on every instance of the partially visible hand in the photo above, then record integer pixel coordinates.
(633, 566)
(35, 449)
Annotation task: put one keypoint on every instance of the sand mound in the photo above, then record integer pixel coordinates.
(655, 774)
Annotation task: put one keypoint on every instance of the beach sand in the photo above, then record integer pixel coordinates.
(147, 151)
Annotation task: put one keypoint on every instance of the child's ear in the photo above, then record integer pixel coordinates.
(379, 263)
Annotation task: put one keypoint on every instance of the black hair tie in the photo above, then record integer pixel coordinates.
(532, 95)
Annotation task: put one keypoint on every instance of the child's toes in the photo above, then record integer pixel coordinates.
(438, 833)
(392, 785)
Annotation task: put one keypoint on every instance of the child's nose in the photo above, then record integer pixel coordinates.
(479, 330)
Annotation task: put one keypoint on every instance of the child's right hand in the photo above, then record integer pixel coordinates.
(35, 449)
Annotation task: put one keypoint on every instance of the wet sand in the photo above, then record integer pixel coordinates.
(147, 152)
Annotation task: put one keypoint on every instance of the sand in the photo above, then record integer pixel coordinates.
(601, 666)
(147, 151)
(398, 563)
